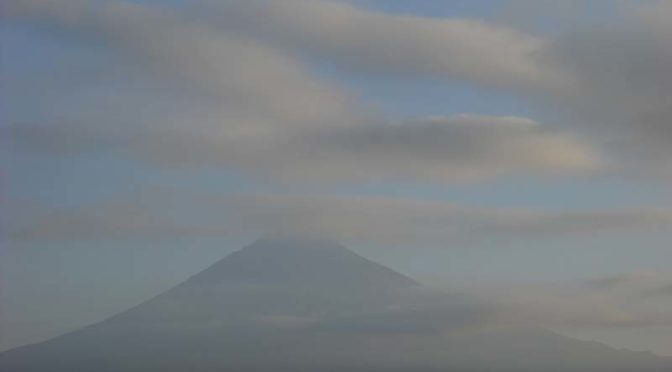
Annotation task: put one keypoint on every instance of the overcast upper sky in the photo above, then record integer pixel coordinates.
(520, 150)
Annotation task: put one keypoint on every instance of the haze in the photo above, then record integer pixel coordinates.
(517, 153)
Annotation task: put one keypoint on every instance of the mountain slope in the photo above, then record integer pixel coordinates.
(311, 305)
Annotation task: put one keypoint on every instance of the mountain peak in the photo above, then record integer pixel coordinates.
(278, 276)
(305, 304)
(294, 243)
(304, 261)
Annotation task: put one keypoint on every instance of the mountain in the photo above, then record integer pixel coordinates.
(296, 304)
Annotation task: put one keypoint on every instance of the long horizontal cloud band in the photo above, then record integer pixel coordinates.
(240, 101)
(251, 56)
(377, 220)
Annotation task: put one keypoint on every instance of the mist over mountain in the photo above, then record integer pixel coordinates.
(298, 304)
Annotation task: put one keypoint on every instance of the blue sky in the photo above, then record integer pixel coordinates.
(484, 134)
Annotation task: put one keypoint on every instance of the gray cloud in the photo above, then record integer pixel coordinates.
(622, 83)
(406, 220)
(431, 313)
(461, 147)
(566, 305)
(662, 292)
(375, 41)
(357, 219)
(248, 59)
(621, 301)
(212, 96)
(612, 75)
(408, 311)
(247, 82)
(440, 149)
(227, 83)
(628, 281)
(638, 285)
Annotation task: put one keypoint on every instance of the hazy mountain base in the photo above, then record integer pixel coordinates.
(305, 305)
(504, 350)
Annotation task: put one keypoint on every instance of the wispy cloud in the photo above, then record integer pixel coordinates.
(358, 219)
(620, 301)
(243, 101)
(366, 39)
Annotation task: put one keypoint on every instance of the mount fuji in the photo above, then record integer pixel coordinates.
(298, 304)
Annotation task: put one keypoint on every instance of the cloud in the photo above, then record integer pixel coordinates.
(430, 312)
(408, 311)
(588, 222)
(338, 32)
(199, 94)
(233, 84)
(246, 81)
(439, 149)
(664, 292)
(628, 281)
(109, 220)
(240, 74)
(564, 305)
(621, 85)
(355, 219)
(622, 301)
(444, 149)
(643, 285)
(393, 220)
(610, 78)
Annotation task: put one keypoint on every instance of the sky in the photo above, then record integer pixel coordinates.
(517, 150)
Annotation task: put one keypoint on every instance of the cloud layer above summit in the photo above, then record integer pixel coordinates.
(231, 83)
(381, 221)
(229, 89)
